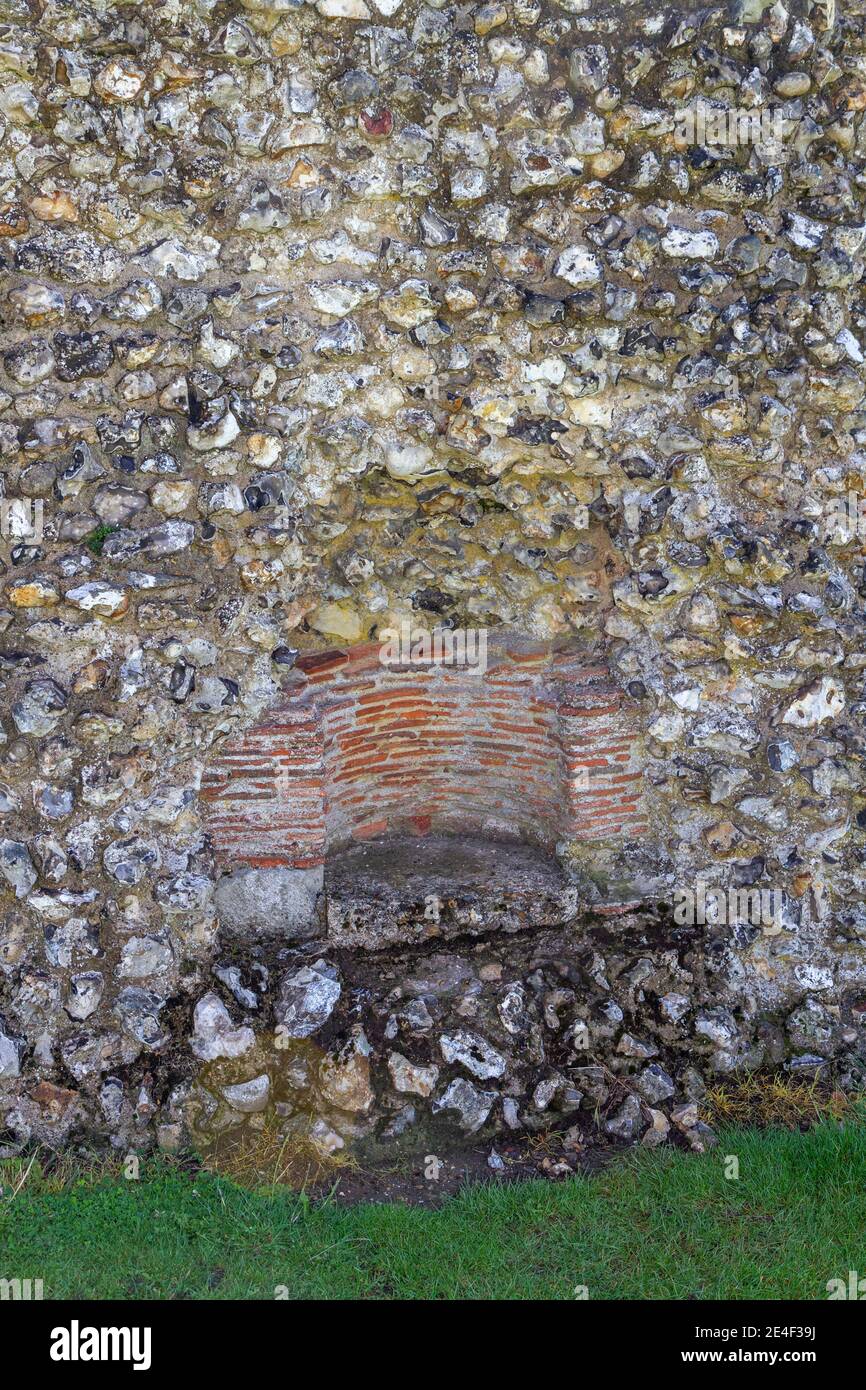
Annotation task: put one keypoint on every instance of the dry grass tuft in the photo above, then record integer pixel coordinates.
(265, 1157)
(776, 1101)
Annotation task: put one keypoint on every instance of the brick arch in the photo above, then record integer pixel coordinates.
(537, 749)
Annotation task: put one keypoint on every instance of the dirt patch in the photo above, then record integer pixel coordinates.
(427, 1180)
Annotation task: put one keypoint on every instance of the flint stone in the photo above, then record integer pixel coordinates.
(410, 1077)
(655, 1084)
(473, 1106)
(307, 999)
(166, 539)
(85, 992)
(473, 1053)
(627, 1122)
(823, 699)
(10, 1063)
(16, 866)
(214, 1035)
(138, 1011)
(249, 1097)
(40, 707)
(275, 902)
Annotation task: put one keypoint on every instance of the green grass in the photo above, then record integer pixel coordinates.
(663, 1224)
(98, 536)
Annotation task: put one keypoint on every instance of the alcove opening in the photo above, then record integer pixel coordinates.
(390, 777)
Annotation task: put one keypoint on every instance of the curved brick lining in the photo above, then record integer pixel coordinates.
(536, 749)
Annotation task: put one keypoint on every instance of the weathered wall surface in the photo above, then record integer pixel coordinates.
(318, 316)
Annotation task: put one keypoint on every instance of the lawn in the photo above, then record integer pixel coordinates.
(661, 1224)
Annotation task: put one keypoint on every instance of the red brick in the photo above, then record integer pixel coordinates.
(425, 750)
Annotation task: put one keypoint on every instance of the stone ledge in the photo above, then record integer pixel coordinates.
(400, 892)
(406, 892)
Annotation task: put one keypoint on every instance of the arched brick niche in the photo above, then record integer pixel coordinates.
(535, 750)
